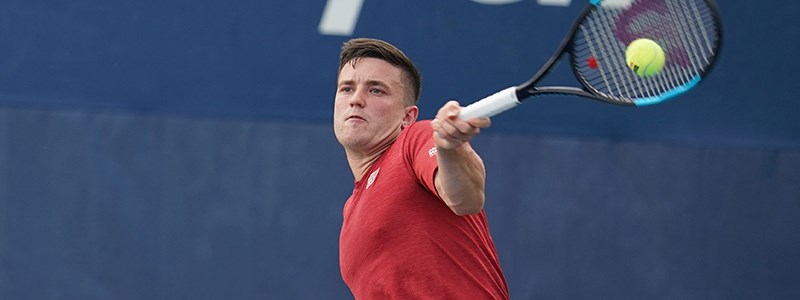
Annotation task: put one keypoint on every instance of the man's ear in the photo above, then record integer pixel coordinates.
(411, 113)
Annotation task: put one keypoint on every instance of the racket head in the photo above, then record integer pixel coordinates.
(689, 32)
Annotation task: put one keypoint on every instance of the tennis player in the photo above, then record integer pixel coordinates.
(414, 226)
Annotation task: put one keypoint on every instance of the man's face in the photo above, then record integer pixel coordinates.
(369, 110)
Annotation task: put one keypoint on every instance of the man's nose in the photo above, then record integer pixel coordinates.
(358, 99)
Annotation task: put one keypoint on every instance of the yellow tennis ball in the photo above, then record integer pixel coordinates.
(645, 57)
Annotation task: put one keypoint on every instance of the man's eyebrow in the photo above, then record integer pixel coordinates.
(377, 82)
(369, 83)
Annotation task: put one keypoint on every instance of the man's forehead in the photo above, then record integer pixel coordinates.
(367, 69)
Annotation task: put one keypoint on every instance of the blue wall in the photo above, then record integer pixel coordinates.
(183, 150)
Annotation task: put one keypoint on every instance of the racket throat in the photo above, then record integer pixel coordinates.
(555, 90)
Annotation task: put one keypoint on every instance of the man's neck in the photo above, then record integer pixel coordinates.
(362, 158)
(360, 162)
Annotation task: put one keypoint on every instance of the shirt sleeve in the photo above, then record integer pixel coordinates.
(420, 153)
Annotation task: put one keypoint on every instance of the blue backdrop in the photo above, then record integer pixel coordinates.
(183, 149)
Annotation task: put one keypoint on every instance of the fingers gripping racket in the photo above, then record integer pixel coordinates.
(688, 31)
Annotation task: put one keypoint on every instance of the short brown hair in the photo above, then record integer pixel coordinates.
(358, 48)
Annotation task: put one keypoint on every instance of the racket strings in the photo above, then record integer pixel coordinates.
(706, 15)
(672, 76)
(685, 29)
(681, 37)
(613, 79)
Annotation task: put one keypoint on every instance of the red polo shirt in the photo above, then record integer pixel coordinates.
(399, 240)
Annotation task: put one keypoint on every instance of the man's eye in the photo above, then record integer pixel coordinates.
(346, 89)
(376, 91)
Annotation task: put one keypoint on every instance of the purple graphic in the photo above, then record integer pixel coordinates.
(652, 19)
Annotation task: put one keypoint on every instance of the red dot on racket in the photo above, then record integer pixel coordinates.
(592, 62)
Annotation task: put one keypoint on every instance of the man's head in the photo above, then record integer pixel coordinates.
(377, 88)
(358, 48)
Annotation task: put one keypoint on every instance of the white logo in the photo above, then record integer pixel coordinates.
(432, 152)
(371, 178)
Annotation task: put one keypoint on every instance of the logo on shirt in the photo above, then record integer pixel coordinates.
(372, 177)
(432, 152)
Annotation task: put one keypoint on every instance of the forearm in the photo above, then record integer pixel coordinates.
(461, 178)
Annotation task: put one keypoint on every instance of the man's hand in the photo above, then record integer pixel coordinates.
(450, 132)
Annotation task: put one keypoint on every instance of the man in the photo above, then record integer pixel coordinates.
(414, 227)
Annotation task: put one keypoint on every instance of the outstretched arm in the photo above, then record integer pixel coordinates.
(461, 176)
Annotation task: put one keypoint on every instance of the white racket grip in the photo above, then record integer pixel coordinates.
(492, 105)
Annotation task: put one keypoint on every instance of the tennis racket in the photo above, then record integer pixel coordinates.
(688, 31)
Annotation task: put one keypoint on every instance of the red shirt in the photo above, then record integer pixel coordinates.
(399, 240)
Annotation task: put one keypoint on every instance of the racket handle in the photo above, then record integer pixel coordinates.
(492, 105)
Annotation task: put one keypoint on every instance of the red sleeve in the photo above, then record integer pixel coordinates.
(420, 153)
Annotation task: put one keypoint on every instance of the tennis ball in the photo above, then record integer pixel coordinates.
(645, 57)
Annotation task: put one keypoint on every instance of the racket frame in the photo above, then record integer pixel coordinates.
(513, 96)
